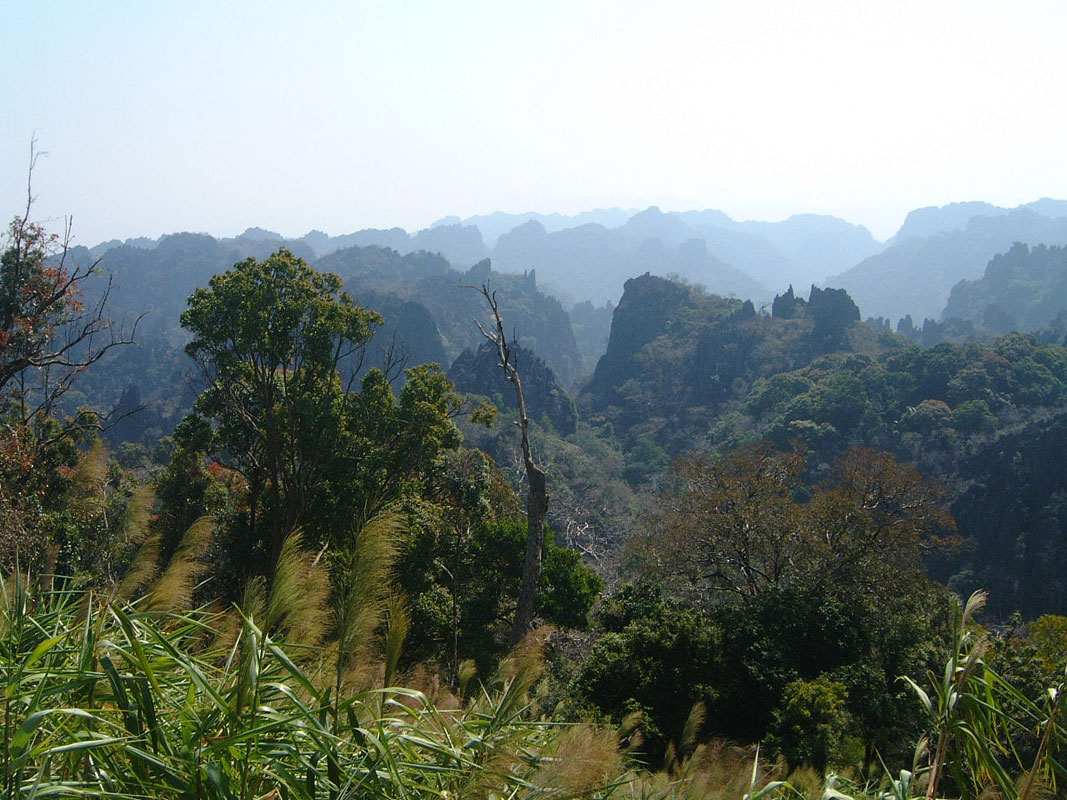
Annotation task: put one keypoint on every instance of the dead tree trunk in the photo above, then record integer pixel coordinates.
(537, 501)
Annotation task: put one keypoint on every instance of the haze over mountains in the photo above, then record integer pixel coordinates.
(646, 335)
(561, 278)
(936, 248)
(588, 256)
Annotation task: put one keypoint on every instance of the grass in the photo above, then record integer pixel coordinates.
(104, 698)
(107, 698)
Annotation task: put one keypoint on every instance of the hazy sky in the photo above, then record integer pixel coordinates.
(205, 116)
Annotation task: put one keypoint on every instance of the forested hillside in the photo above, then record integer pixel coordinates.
(918, 268)
(556, 401)
(254, 493)
(1023, 289)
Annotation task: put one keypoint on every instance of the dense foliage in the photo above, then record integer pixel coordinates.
(227, 611)
(1021, 290)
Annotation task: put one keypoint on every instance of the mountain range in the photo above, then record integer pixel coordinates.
(588, 257)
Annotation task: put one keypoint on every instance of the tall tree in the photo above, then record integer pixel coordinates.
(269, 338)
(745, 524)
(537, 500)
(49, 335)
(280, 346)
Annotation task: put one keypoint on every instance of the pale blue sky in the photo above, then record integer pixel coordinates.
(164, 116)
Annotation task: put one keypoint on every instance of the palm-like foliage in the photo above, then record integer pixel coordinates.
(107, 698)
(102, 699)
(976, 716)
(955, 707)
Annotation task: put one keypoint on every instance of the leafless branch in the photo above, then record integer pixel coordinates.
(537, 499)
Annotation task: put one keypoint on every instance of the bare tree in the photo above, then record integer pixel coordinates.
(49, 332)
(537, 501)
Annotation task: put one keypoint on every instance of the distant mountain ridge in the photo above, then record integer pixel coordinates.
(1023, 289)
(956, 216)
(496, 224)
(935, 250)
(589, 256)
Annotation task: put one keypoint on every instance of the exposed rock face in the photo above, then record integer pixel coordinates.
(479, 372)
(833, 311)
(1023, 289)
(648, 303)
(408, 337)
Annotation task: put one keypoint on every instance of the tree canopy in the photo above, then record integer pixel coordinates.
(747, 523)
(279, 346)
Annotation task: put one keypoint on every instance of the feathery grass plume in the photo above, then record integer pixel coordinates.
(399, 622)
(726, 768)
(974, 605)
(717, 771)
(807, 782)
(691, 732)
(631, 739)
(527, 658)
(427, 681)
(136, 532)
(670, 759)
(86, 491)
(582, 760)
(160, 718)
(296, 606)
(220, 637)
(134, 527)
(468, 668)
(254, 599)
(173, 591)
(515, 677)
(364, 584)
(142, 570)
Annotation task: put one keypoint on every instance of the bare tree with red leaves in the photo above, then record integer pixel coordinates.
(49, 333)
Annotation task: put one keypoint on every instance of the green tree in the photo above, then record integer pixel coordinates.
(811, 722)
(279, 345)
(804, 581)
(49, 335)
(462, 565)
(656, 656)
(391, 445)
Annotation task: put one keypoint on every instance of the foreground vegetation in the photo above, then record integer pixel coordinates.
(105, 698)
(312, 588)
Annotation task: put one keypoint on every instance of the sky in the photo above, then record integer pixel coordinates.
(203, 116)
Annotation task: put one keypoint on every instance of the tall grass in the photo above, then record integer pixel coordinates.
(104, 699)
(107, 698)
